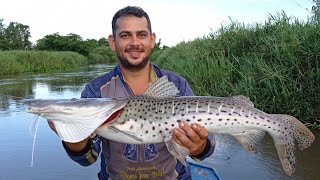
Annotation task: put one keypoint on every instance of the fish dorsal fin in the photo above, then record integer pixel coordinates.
(249, 139)
(243, 100)
(162, 88)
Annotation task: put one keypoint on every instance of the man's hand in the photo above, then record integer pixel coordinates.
(193, 137)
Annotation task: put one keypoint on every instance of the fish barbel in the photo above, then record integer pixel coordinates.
(151, 117)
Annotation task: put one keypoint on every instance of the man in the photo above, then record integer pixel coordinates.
(133, 39)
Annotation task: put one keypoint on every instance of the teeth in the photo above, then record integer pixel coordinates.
(134, 54)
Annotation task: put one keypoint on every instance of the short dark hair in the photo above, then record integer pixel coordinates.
(130, 11)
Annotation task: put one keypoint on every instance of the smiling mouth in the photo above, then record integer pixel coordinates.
(134, 54)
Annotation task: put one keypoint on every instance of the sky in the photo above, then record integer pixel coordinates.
(173, 21)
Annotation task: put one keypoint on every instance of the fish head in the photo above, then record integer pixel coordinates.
(65, 109)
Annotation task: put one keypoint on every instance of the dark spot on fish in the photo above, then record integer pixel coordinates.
(199, 120)
(217, 114)
(141, 126)
(220, 119)
(228, 119)
(223, 111)
(178, 121)
(246, 116)
(235, 119)
(247, 121)
(140, 117)
(131, 127)
(166, 122)
(160, 131)
(243, 131)
(166, 129)
(193, 117)
(172, 125)
(154, 135)
(258, 123)
(209, 119)
(188, 120)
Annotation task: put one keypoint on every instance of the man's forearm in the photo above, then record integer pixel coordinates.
(77, 147)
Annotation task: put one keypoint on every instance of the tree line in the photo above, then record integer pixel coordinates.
(16, 36)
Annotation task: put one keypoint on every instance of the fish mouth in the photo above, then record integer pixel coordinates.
(112, 117)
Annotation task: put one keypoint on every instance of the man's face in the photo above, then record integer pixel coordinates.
(132, 42)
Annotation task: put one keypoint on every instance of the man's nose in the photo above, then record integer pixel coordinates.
(135, 40)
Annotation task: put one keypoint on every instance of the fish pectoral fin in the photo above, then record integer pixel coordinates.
(249, 139)
(178, 151)
(126, 133)
(71, 132)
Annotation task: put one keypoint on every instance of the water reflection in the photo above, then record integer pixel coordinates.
(51, 162)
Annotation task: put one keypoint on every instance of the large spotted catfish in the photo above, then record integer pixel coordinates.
(150, 118)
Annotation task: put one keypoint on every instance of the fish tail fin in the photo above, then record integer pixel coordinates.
(301, 133)
(285, 145)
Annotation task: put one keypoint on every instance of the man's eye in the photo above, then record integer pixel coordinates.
(142, 35)
(124, 36)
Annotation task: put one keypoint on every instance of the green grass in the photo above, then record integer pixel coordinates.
(276, 64)
(19, 61)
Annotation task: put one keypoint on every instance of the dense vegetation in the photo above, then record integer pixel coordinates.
(18, 61)
(276, 64)
(54, 51)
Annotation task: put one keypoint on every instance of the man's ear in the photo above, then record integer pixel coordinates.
(111, 42)
(153, 39)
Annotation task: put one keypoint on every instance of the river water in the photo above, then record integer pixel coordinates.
(51, 162)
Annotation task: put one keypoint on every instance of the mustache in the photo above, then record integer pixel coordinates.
(134, 48)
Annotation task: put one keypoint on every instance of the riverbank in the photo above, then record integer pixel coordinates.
(19, 61)
(276, 64)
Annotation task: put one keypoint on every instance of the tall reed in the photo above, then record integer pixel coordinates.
(276, 64)
(33, 61)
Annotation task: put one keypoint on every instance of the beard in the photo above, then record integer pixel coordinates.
(133, 67)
